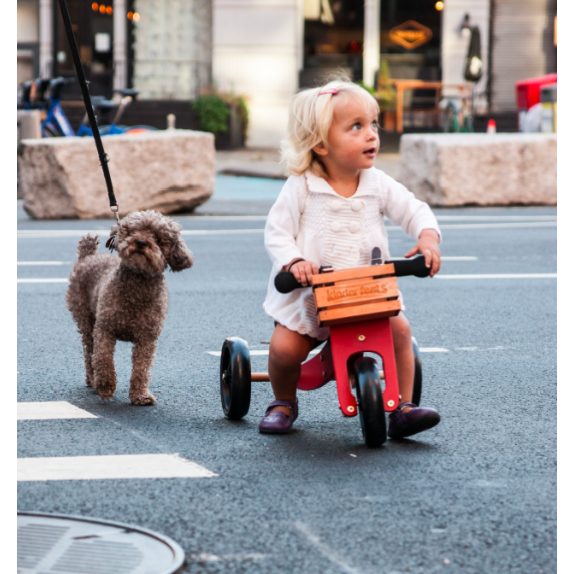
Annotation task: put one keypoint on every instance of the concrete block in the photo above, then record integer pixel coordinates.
(167, 171)
(480, 169)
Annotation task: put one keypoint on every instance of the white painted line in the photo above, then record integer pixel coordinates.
(44, 233)
(329, 553)
(42, 280)
(466, 349)
(315, 351)
(458, 258)
(496, 217)
(220, 231)
(433, 350)
(48, 262)
(54, 234)
(109, 467)
(497, 225)
(200, 216)
(62, 233)
(51, 410)
(501, 276)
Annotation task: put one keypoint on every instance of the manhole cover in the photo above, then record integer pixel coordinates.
(55, 544)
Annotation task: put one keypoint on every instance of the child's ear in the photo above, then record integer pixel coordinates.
(320, 149)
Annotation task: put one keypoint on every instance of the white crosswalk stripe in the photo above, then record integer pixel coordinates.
(106, 467)
(109, 467)
(51, 410)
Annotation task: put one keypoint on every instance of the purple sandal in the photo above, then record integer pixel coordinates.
(418, 419)
(278, 422)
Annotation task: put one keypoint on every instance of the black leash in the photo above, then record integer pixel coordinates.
(89, 109)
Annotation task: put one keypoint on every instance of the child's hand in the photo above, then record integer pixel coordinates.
(428, 246)
(303, 270)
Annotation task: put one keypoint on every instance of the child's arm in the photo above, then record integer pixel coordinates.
(416, 219)
(282, 227)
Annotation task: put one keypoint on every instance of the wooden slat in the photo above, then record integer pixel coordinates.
(349, 314)
(355, 273)
(357, 291)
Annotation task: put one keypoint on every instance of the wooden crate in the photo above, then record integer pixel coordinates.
(357, 294)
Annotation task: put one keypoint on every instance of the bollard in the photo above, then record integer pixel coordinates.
(170, 121)
(29, 124)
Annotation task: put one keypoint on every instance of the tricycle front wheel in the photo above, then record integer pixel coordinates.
(370, 402)
(235, 378)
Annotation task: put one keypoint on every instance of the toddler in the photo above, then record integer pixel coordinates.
(330, 212)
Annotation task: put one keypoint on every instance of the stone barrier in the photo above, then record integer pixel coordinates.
(168, 171)
(480, 169)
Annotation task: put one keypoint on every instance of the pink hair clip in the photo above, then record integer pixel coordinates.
(333, 91)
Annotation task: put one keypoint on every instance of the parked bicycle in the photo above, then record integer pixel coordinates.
(45, 94)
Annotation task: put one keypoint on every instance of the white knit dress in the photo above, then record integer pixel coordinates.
(310, 220)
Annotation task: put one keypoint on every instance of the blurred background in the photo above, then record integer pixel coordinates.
(253, 55)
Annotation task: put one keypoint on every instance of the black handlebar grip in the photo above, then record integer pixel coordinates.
(285, 282)
(416, 267)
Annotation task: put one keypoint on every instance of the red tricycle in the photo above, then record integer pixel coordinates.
(356, 305)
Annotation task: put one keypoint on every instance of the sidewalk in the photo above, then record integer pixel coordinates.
(265, 163)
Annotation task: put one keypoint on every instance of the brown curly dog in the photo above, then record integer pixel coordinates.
(125, 298)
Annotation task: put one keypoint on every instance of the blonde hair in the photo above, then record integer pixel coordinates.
(310, 117)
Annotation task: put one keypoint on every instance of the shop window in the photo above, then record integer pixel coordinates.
(411, 45)
(333, 40)
(93, 27)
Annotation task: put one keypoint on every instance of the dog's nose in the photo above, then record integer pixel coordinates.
(141, 242)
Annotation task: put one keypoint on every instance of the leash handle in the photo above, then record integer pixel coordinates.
(89, 109)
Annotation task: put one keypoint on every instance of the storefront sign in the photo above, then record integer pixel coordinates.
(410, 35)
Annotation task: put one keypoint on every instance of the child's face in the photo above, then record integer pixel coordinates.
(353, 138)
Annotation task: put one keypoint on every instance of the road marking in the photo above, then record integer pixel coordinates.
(48, 262)
(51, 410)
(496, 225)
(205, 557)
(501, 276)
(265, 352)
(433, 350)
(42, 280)
(61, 233)
(56, 233)
(496, 217)
(109, 467)
(324, 549)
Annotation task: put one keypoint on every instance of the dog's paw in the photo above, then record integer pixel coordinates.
(105, 393)
(147, 399)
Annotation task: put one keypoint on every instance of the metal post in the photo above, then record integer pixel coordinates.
(120, 44)
(371, 45)
(46, 38)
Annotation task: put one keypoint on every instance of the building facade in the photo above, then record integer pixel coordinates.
(266, 50)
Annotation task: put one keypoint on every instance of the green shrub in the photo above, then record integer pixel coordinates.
(244, 113)
(212, 113)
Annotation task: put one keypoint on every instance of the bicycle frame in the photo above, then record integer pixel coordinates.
(56, 120)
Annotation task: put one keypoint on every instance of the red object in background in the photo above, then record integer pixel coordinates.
(528, 91)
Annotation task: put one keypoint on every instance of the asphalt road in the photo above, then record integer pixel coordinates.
(475, 495)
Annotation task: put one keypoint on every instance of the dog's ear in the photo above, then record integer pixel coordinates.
(111, 242)
(179, 257)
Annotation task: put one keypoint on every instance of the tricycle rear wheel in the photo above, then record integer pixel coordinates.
(370, 402)
(418, 384)
(235, 378)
